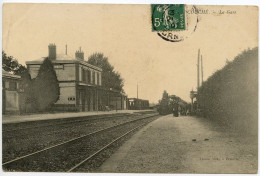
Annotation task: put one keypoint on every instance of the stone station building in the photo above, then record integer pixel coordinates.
(80, 83)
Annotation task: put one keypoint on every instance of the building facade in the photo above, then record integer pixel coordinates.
(80, 83)
(10, 93)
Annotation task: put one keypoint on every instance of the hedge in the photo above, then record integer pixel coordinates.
(230, 95)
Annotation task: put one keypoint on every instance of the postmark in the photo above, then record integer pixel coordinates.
(172, 22)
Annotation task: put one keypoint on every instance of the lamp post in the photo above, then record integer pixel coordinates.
(192, 96)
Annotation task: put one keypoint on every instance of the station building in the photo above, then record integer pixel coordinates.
(80, 83)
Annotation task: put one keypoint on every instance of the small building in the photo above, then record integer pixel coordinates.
(80, 83)
(10, 93)
(137, 104)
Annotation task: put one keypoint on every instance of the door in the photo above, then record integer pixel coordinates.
(82, 100)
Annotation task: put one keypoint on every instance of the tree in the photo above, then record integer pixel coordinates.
(28, 101)
(165, 95)
(10, 64)
(45, 87)
(110, 78)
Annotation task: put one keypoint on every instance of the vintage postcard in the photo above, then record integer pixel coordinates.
(130, 88)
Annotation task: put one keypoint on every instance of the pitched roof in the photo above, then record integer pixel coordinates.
(9, 75)
(63, 58)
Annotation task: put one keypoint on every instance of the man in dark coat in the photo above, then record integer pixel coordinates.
(176, 109)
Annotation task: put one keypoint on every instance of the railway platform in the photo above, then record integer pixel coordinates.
(184, 145)
(36, 117)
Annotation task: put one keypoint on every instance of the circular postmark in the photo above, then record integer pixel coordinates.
(174, 23)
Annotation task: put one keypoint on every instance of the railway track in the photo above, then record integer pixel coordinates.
(80, 167)
(20, 143)
(56, 122)
(73, 153)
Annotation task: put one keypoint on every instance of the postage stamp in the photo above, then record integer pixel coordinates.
(174, 22)
(168, 17)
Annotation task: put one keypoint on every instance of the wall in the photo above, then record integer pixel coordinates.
(65, 72)
(67, 93)
(12, 99)
(33, 70)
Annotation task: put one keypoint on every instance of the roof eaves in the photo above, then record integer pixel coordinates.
(89, 65)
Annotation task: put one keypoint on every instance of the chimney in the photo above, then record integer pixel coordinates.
(79, 54)
(52, 51)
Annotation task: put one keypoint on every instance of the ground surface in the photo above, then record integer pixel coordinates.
(185, 145)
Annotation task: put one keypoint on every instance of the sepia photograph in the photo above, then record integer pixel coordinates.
(153, 88)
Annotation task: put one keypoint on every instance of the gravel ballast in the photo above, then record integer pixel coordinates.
(64, 157)
(22, 142)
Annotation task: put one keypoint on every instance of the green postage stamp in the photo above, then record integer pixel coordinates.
(168, 17)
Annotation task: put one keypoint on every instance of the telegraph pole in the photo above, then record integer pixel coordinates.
(198, 79)
(198, 71)
(137, 91)
(201, 70)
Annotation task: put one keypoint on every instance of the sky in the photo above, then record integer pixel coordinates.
(124, 34)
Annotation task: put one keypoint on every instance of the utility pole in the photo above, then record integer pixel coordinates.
(198, 71)
(201, 70)
(137, 91)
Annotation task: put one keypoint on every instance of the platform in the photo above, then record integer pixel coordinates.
(184, 145)
(36, 117)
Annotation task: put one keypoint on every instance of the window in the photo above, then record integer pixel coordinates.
(13, 86)
(83, 75)
(97, 78)
(93, 77)
(7, 85)
(87, 76)
(71, 98)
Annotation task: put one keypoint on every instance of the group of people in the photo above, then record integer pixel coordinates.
(178, 110)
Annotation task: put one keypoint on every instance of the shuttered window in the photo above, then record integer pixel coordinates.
(93, 77)
(83, 75)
